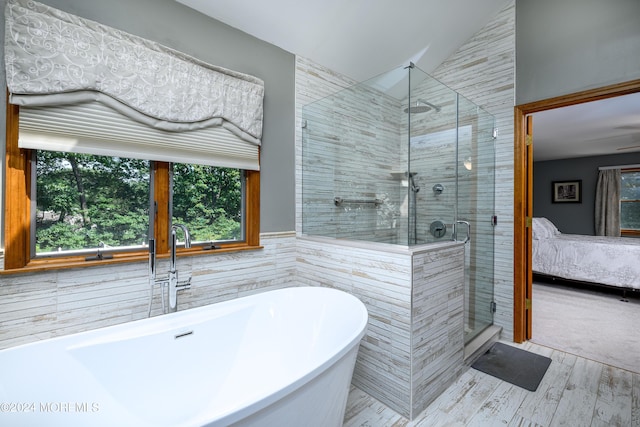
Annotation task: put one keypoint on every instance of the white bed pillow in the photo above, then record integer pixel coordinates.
(544, 229)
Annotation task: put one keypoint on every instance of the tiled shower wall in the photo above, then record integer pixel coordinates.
(413, 348)
(352, 142)
(35, 306)
(351, 145)
(313, 82)
(382, 280)
(437, 343)
(483, 70)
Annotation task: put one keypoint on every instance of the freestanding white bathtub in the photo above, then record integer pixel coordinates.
(279, 358)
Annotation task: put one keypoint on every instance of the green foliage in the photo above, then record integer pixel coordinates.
(630, 197)
(208, 200)
(86, 201)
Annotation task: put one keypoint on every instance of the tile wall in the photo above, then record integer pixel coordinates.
(413, 348)
(483, 70)
(351, 145)
(37, 306)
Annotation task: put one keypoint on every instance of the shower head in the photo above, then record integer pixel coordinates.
(421, 106)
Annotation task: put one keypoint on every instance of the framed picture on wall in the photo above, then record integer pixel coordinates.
(567, 191)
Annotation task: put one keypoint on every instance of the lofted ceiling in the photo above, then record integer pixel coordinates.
(364, 38)
(358, 38)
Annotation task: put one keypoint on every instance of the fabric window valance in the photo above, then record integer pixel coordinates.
(56, 59)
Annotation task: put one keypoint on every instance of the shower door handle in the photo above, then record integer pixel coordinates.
(455, 230)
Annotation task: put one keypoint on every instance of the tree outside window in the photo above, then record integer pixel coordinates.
(87, 202)
(630, 201)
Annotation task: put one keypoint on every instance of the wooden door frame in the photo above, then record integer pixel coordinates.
(522, 193)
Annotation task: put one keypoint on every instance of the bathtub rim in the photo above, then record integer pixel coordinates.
(241, 413)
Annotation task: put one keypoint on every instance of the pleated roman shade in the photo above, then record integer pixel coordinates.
(88, 88)
(93, 128)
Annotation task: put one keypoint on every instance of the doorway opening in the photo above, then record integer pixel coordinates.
(523, 192)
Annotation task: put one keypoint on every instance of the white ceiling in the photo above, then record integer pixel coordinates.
(364, 38)
(608, 126)
(358, 38)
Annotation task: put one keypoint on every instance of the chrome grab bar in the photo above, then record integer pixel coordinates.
(338, 201)
(455, 230)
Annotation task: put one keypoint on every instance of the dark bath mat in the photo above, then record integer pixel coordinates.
(518, 367)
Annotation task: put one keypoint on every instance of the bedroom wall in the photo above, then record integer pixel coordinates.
(572, 218)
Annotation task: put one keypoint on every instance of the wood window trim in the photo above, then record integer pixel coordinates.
(17, 218)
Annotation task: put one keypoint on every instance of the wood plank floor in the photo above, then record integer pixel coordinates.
(574, 392)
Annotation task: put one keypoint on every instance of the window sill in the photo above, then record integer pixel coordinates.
(41, 265)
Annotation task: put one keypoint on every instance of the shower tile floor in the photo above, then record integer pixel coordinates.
(574, 392)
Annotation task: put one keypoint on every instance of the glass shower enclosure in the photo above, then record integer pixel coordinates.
(402, 159)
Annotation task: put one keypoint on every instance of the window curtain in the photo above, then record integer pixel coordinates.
(54, 59)
(607, 213)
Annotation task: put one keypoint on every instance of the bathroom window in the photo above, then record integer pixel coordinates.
(120, 106)
(68, 210)
(630, 202)
(86, 203)
(208, 200)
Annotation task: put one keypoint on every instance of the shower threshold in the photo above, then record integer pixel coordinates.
(480, 344)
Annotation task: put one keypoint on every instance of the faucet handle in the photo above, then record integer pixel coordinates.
(184, 284)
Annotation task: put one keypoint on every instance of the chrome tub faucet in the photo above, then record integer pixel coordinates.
(176, 285)
(171, 281)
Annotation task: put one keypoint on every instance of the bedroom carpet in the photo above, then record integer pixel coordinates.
(588, 323)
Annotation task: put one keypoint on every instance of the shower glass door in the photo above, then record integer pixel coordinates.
(430, 111)
(451, 156)
(476, 174)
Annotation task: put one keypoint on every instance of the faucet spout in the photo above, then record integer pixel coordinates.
(174, 240)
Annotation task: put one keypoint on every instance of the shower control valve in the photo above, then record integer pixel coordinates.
(438, 229)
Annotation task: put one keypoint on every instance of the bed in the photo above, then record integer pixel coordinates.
(611, 261)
